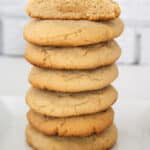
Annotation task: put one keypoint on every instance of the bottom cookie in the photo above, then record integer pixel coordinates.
(102, 141)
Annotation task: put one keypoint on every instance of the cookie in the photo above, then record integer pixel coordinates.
(72, 80)
(103, 141)
(56, 104)
(71, 32)
(72, 126)
(86, 57)
(73, 9)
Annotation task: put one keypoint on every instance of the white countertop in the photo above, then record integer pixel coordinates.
(132, 119)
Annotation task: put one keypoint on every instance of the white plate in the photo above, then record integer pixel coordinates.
(132, 119)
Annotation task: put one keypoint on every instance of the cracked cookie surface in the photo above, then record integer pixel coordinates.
(71, 32)
(72, 80)
(57, 104)
(103, 141)
(80, 126)
(73, 9)
(85, 57)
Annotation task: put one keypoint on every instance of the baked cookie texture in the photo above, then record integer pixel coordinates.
(73, 9)
(72, 80)
(80, 126)
(85, 57)
(57, 104)
(71, 32)
(102, 141)
(71, 45)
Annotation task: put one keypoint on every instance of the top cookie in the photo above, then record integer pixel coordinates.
(73, 9)
(71, 32)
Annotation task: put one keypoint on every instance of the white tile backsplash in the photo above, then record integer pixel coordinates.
(127, 44)
(145, 46)
(13, 42)
(135, 13)
(129, 8)
(12, 11)
(145, 13)
(12, 2)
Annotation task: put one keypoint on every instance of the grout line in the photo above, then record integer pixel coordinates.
(137, 49)
(11, 56)
(1, 38)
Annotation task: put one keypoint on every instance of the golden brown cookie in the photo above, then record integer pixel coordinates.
(72, 80)
(73, 9)
(71, 32)
(56, 104)
(102, 141)
(85, 57)
(72, 126)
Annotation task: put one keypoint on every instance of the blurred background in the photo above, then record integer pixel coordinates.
(134, 42)
(133, 84)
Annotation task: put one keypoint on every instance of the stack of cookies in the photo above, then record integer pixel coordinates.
(70, 44)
